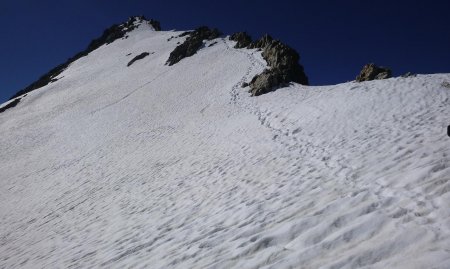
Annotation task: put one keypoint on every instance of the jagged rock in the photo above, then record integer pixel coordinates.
(192, 44)
(242, 39)
(372, 72)
(10, 104)
(138, 57)
(280, 56)
(264, 41)
(109, 35)
(283, 63)
(245, 84)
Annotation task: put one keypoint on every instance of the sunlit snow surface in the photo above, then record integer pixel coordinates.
(151, 166)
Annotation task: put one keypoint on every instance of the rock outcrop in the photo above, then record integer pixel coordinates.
(242, 39)
(10, 105)
(283, 63)
(264, 41)
(408, 75)
(269, 80)
(192, 44)
(138, 57)
(372, 72)
(109, 35)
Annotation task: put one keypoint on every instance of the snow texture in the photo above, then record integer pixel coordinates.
(156, 166)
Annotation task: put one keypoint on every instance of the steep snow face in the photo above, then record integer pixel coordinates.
(151, 166)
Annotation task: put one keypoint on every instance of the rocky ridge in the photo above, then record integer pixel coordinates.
(282, 60)
(10, 105)
(109, 35)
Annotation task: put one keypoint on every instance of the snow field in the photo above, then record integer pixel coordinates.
(151, 166)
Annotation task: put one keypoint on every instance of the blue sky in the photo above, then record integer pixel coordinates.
(334, 38)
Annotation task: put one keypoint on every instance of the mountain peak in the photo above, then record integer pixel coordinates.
(124, 160)
(109, 35)
(135, 21)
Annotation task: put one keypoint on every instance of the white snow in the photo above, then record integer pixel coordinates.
(151, 166)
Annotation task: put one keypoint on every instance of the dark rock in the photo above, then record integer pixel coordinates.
(265, 82)
(408, 74)
(109, 35)
(245, 84)
(192, 44)
(446, 84)
(280, 56)
(205, 33)
(272, 79)
(118, 31)
(10, 104)
(187, 49)
(372, 72)
(242, 39)
(283, 63)
(154, 23)
(185, 33)
(264, 41)
(139, 57)
(180, 35)
(212, 44)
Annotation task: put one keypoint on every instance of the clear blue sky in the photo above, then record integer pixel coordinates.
(334, 38)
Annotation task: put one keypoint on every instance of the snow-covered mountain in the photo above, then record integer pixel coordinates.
(158, 166)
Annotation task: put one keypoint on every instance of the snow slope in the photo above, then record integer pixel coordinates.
(151, 166)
